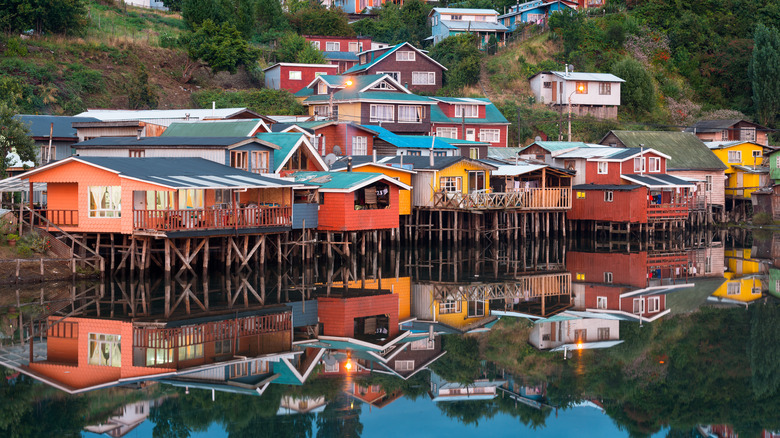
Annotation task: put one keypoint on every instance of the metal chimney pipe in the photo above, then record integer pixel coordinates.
(349, 164)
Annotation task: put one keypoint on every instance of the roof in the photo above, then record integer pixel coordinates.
(715, 125)
(176, 173)
(292, 64)
(583, 76)
(728, 144)
(343, 181)
(556, 146)
(517, 169)
(508, 153)
(288, 143)
(363, 160)
(472, 25)
(213, 128)
(492, 114)
(409, 141)
(527, 6)
(589, 152)
(623, 154)
(613, 187)
(464, 11)
(656, 181)
(223, 142)
(374, 61)
(40, 125)
(588, 345)
(192, 113)
(687, 152)
(341, 56)
(439, 163)
(461, 142)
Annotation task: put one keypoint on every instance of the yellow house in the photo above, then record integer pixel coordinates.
(366, 164)
(450, 304)
(743, 282)
(745, 172)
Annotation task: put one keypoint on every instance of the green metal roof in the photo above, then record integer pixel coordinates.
(507, 153)
(238, 128)
(286, 142)
(335, 180)
(492, 114)
(686, 150)
(352, 95)
(454, 141)
(360, 67)
(555, 146)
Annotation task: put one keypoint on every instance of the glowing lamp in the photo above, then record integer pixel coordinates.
(348, 83)
(348, 365)
(581, 89)
(579, 346)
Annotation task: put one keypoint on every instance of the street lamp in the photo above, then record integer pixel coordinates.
(347, 83)
(579, 89)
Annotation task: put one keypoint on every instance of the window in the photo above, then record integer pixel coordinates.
(321, 110)
(424, 344)
(439, 154)
(449, 306)
(735, 157)
(260, 162)
(605, 88)
(580, 195)
(353, 46)
(413, 153)
(708, 265)
(450, 133)
(639, 306)
(582, 88)
(320, 73)
(603, 167)
(105, 201)
(223, 347)
(45, 156)
(383, 86)
(332, 46)
(450, 184)
(639, 164)
(189, 352)
(137, 153)
(410, 114)
(603, 333)
(105, 350)
(607, 277)
(547, 85)
(423, 78)
(580, 335)
(708, 179)
(655, 164)
(295, 75)
(404, 365)
(747, 134)
(490, 135)
(359, 145)
(733, 288)
(756, 155)
(608, 196)
(382, 113)
(476, 309)
(580, 276)
(363, 58)
(724, 135)
(190, 198)
(316, 44)
(160, 200)
(601, 302)
(298, 161)
(474, 153)
(238, 159)
(332, 367)
(322, 88)
(468, 111)
(653, 304)
(456, 17)
(396, 75)
(404, 56)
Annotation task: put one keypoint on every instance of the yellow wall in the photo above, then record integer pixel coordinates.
(349, 112)
(459, 319)
(404, 196)
(461, 169)
(401, 286)
(748, 179)
(739, 263)
(741, 275)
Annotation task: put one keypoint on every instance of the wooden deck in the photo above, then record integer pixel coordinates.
(549, 199)
(664, 212)
(212, 218)
(527, 287)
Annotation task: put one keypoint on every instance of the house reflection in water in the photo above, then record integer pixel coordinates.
(568, 331)
(301, 405)
(744, 279)
(126, 419)
(445, 391)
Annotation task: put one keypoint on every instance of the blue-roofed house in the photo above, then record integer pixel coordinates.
(470, 119)
(58, 130)
(483, 23)
(594, 94)
(403, 62)
(533, 12)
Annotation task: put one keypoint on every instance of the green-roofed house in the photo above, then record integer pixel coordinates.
(470, 119)
(405, 63)
(369, 100)
(331, 137)
(690, 159)
(294, 152)
(353, 201)
(217, 128)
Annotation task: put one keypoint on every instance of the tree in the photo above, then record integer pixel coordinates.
(295, 48)
(461, 363)
(239, 13)
(173, 5)
(763, 71)
(221, 47)
(319, 20)
(638, 92)
(462, 58)
(140, 94)
(14, 137)
(43, 16)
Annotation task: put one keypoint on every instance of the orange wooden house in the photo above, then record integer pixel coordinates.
(162, 196)
(369, 164)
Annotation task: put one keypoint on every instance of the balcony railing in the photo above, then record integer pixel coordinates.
(212, 218)
(659, 212)
(557, 198)
(58, 217)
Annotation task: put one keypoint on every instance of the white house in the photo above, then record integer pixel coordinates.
(151, 4)
(596, 94)
(484, 23)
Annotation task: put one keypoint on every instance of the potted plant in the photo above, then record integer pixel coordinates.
(12, 238)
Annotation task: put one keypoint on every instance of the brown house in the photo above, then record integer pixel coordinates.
(404, 63)
(730, 130)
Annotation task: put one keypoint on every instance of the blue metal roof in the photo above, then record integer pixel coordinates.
(410, 141)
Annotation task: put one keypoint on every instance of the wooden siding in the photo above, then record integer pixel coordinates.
(717, 196)
(335, 135)
(461, 134)
(216, 155)
(406, 68)
(404, 196)
(279, 77)
(305, 212)
(337, 213)
(626, 206)
(627, 269)
(337, 315)
(424, 186)
(399, 128)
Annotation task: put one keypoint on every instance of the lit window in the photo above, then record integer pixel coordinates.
(582, 88)
(295, 75)
(580, 195)
(105, 350)
(105, 201)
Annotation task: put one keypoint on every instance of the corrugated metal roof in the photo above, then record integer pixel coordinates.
(657, 180)
(222, 142)
(508, 153)
(723, 144)
(212, 128)
(687, 152)
(40, 125)
(623, 153)
(458, 141)
(194, 113)
(615, 187)
(410, 141)
(473, 25)
(585, 76)
(492, 114)
(465, 11)
(588, 152)
(374, 61)
(341, 56)
(341, 180)
(518, 169)
(588, 345)
(712, 125)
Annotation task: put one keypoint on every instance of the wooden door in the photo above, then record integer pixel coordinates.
(554, 91)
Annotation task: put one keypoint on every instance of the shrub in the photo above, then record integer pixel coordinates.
(762, 218)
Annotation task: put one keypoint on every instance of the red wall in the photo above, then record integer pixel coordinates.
(449, 109)
(618, 168)
(344, 41)
(307, 75)
(335, 135)
(338, 213)
(502, 143)
(337, 314)
(626, 206)
(632, 271)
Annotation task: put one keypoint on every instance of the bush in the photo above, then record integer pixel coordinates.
(638, 92)
(762, 218)
(461, 57)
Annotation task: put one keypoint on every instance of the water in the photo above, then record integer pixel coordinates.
(549, 340)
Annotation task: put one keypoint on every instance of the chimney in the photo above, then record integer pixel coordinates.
(567, 70)
(349, 164)
(402, 161)
(187, 116)
(213, 107)
(373, 153)
(431, 160)
(138, 133)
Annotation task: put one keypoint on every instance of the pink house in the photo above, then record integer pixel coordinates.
(294, 77)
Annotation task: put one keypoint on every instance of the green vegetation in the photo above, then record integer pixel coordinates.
(43, 16)
(462, 59)
(394, 24)
(461, 363)
(221, 47)
(295, 48)
(14, 136)
(764, 68)
(263, 101)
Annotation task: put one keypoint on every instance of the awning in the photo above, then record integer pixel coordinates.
(660, 181)
(16, 184)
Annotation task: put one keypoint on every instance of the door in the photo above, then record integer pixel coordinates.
(139, 200)
(471, 134)
(554, 91)
(476, 181)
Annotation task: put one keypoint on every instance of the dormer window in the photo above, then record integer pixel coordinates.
(468, 111)
(363, 58)
(383, 86)
(322, 88)
(407, 55)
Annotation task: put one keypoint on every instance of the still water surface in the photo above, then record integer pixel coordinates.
(546, 340)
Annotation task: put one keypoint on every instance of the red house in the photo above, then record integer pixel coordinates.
(628, 186)
(405, 63)
(353, 201)
(294, 77)
(471, 119)
(338, 138)
(355, 44)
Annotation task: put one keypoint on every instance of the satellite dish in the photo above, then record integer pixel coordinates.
(538, 138)
(337, 150)
(330, 159)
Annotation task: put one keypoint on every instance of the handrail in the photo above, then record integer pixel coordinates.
(549, 198)
(212, 218)
(65, 233)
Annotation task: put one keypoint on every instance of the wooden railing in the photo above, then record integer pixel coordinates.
(211, 218)
(68, 218)
(533, 286)
(557, 198)
(152, 337)
(657, 212)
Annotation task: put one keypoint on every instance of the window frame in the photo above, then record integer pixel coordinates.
(239, 160)
(640, 167)
(297, 73)
(114, 198)
(605, 88)
(256, 157)
(373, 109)
(605, 166)
(335, 44)
(408, 55)
(654, 164)
(460, 109)
(94, 342)
(452, 132)
(601, 302)
(584, 85)
(448, 182)
(609, 196)
(418, 110)
(494, 134)
(359, 145)
(653, 304)
(430, 77)
(737, 157)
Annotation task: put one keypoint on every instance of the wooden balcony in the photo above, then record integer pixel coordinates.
(526, 287)
(69, 218)
(212, 218)
(672, 211)
(556, 198)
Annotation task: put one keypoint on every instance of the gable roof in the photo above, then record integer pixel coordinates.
(687, 152)
(623, 154)
(582, 76)
(439, 163)
(189, 114)
(293, 64)
(409, 141)
(146, 142)
(309, 128)
(716, 125)
(367, 160)
(473, 25)
(343, 181)
(534, 4)
(360, 90)
(288, 143)
(463, 11)
(363, 67)
(341, 56)
(492, 114)
(728, 144)
(175, 173)
(40, 125)
(214, 128)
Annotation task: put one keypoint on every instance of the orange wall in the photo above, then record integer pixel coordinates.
(404, 196)
(62, 196)
(338, 213)
(337, 315)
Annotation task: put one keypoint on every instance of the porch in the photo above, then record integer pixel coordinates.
(549, 199)
(252, 216)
